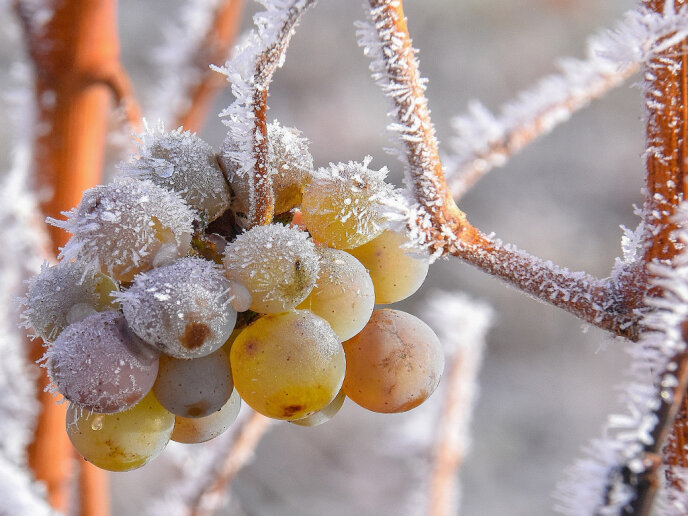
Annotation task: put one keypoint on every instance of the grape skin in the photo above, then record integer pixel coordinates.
(395, 273)
(190, 430)
(325, 414)
(194, 388)
(99, 364)
(123, 441)
(343, 294)
(394, 364)
(288, 365)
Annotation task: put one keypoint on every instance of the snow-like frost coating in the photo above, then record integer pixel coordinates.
(183, 309)
(53, 294)
(342, 204)
(182, 162)
(289, 165)
(277, 264)
(100, 365)
(119, 227)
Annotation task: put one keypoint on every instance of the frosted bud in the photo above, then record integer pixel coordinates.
(63, 294)
(100, 365)
(182, 309)
(289, 164)
(121, 226)
(181, 161)
(277, 264)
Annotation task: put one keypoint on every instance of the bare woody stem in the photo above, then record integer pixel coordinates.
(213, 49)
(446, 228)
(77, 69)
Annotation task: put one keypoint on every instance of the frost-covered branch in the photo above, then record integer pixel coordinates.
(462, 325)
(250, 73)
(203, 35)
(623, 468)
(484, 140)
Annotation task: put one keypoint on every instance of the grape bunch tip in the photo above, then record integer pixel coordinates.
(165, 312)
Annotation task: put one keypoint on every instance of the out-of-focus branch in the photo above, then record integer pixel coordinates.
(76, 62)
(210, 497)
(212, 49)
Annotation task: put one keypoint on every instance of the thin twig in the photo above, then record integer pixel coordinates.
(243, 447)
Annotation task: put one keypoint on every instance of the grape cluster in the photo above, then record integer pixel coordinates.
(164, 312)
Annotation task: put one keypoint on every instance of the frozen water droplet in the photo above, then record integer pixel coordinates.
(97, 423)
(162, 167)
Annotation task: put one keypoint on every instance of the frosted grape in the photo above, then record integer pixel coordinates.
(277, 264)
(395, 273)
(181, 161)
(123, 441)
(194, 388)
(63, 294)
(394, 364)
(121, 227)
(341, 204)
(182, 309)
(343, 294)
(289, 164)
(99, 364)
(191, 430)
(288, 365)
(325, 414)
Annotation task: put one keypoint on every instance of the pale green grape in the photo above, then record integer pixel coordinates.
(395, 273)
(123, 441)
(191, 430)
(341, 204)
(394, 364)
(288, 365)
(277, 264)
(325, 414)
(194, 388)
(343, 294)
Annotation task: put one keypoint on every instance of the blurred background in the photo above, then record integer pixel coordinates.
(547, 382)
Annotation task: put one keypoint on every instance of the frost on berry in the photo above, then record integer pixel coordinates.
(277, 264)
(182, 162)
(100, 365)
(63, 294)
(183, 309)
(342, 204)
(289, 165)
(121, 227)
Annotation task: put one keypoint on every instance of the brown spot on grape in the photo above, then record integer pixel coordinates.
(290, 410)
(251, 347)
(195, 335)
(197, 409)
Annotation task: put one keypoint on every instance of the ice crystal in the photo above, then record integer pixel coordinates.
(183, 309)
(181, 162)
(120, 227)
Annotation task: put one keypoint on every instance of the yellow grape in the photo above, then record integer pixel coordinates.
(324, 415)
(395, 273)
(192, 430)
(394, 364)
(123, 441)
(341, 204)
(343, 294)
(288, 365)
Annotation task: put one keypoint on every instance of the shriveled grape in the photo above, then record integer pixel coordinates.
(325, 414)
(123, 441)
(182, 162)
(341, 204)
(122, 227)
(183, 309)
(394, 364)
(288, 365)
(277, 264)
(194, 388)
(191, 430)
(63, 294)
(343, 294)
(396, 274)
(99, 364)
